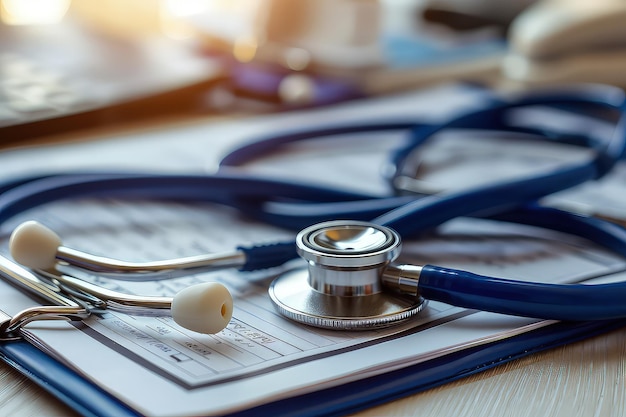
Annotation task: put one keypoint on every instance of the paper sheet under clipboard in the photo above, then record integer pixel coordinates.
(160, 369)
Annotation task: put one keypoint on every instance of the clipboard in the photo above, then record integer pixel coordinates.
(89, 400)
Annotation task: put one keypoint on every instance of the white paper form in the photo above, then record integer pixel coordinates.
(162, 370)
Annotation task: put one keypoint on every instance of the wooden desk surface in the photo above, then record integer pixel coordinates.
(587, 378)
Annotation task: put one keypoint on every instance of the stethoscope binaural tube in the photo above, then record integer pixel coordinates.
(204, 308)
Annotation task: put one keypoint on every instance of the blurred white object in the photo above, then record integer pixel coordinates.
(33, 12)
(371, 46)
(569, 41)
(294, 34)
(342, 33)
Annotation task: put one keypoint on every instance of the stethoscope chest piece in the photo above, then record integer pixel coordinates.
(342, 288)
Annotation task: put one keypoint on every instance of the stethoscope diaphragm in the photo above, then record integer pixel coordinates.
(342, 286)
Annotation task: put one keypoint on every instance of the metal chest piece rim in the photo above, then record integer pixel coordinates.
(341, 288)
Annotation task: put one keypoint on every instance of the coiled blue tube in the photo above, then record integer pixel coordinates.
(575, 302)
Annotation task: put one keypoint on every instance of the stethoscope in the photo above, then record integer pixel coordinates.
(350, 269)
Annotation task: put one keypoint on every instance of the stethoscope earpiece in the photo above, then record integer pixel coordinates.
(35, 246)
(203, 308)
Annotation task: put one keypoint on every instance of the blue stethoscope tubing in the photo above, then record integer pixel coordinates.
(435, 210)
(297, 205)
(492, 116)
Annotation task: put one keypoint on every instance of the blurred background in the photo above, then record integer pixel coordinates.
(75, 64)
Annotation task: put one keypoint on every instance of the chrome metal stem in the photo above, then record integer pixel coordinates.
(25, 279)
(114, 300)
(68, 313)
(403, 279)
(65, 308)
(102, 264)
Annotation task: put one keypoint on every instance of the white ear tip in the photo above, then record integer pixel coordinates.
(34, 245)
(203, 308)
